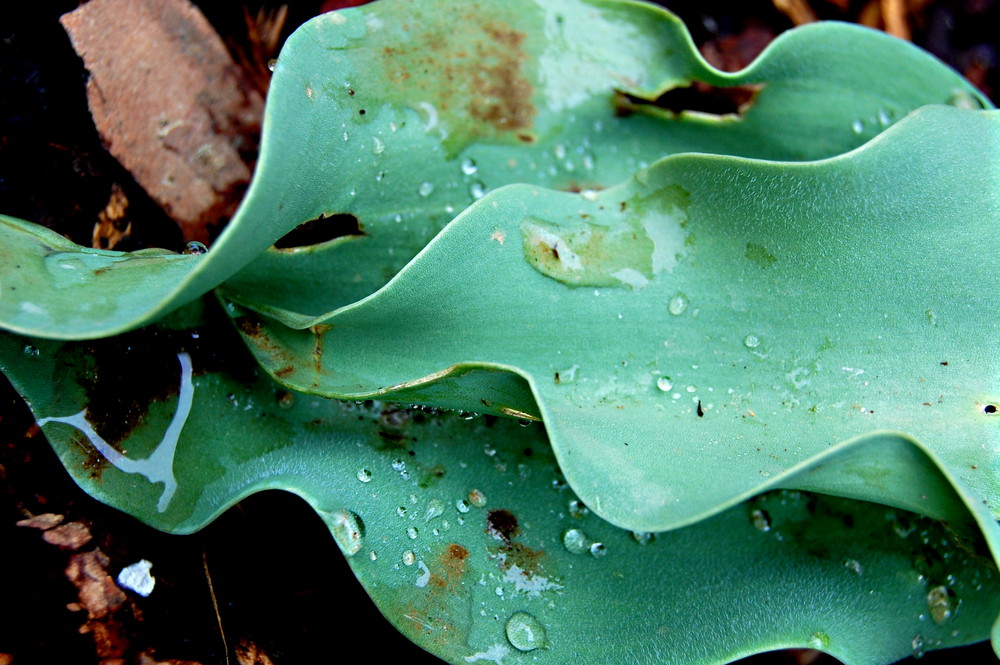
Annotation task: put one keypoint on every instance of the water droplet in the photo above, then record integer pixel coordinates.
(854, 566)
(678, 304)
(963, 100)
(477, 190)
(364, 475)
(819, 640)
(939, 602)
(31, 351)
(348, 530)
(559, 150)
(575, 541)
(195, 247)
(401, 511)
(598, 550)
(462, 506)
(917, 646)
(883, 118)
(469, 167)
(435, 508)
(271, 64)
(378, 146)
(858, 126)
(525, 632)
(664, 384)
(590, 194)
(761, 520)
(409, 558)
(751, 341)
(578, 509)
(425, 189)
(477, 498)
(412, 532)
(588, 162)
(643, 537)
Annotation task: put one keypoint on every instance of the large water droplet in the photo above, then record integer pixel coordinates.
(939, 602)
(678, 304)
(425, 189)
(598, 550)
(525, 632)
(348, 530)
(412, 533)
(409, 558)
(195, 247)
(469, 167)
(664, 384)
(364, 475)
(575, 541)
(477, 190)
(462, 506)
(751, 341)
(271, 64)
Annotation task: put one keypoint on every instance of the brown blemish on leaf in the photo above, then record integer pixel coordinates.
(501, 524)
(474, 79)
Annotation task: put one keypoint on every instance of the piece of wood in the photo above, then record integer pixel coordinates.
(169, 103)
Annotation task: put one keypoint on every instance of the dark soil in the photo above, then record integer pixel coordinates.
(266, 578)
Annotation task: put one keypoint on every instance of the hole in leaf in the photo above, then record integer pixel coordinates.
(320, 230)
(699, 97)
(990, 409)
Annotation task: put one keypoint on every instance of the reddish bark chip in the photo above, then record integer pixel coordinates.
(71, 536)
(170, 104)
(44, 521)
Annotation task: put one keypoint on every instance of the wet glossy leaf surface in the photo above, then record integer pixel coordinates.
(710, 328)
(470, 541)
(382, 113)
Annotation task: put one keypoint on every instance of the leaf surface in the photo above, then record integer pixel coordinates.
(713, 326)
(401, 116)
(467, 537)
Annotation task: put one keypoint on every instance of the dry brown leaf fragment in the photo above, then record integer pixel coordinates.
(169, 103)
(43, 521)
(895, 20)
(112, 227)
(248, 653)
(798, 11)
(96, 590)
(71, 536)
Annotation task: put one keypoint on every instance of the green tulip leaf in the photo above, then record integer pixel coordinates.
(392, 118)
(469, 540)
(712, 327)
(424, 110)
